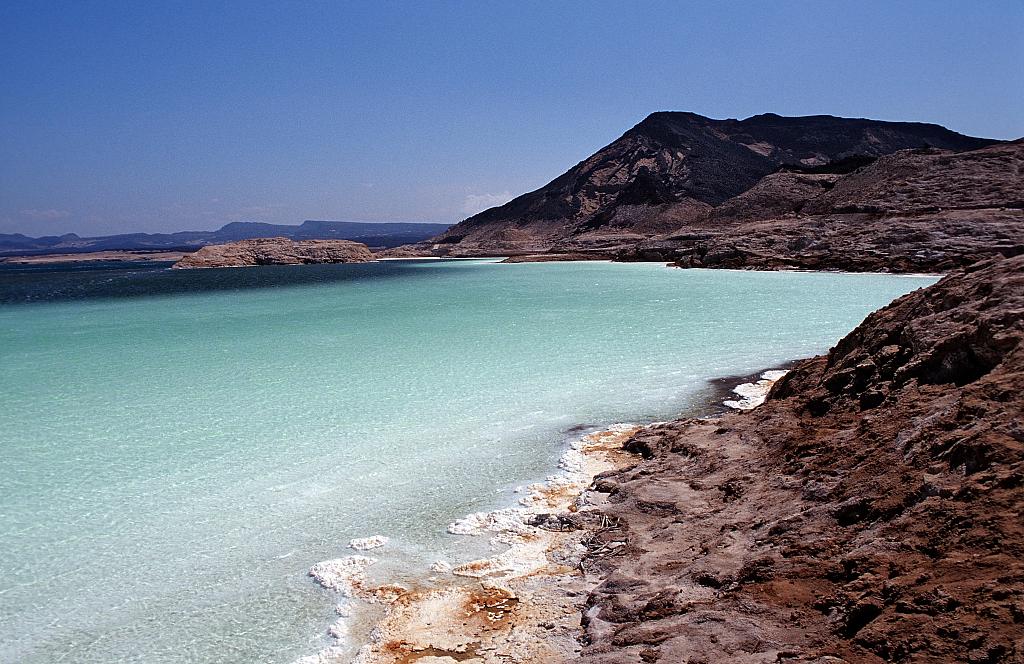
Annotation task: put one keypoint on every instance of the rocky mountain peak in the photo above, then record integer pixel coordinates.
(672, 168)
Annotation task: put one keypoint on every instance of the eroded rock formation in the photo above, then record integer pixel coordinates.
(277, 251)
(916, 210)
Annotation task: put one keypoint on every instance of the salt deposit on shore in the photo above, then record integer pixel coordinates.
(753, 395)
(344, 575)
(470, 609)
(367, 543)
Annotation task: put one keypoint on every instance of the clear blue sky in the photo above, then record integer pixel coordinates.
(154, 116)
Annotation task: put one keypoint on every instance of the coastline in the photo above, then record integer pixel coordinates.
(525, 603)
(158, 255)
(112, 256)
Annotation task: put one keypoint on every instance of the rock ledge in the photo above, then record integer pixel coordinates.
(869, 511)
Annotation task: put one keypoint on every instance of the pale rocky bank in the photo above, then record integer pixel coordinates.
(277, 251)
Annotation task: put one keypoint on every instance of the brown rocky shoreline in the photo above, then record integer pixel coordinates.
(869, 511)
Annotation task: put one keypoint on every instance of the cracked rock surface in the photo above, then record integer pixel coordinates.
(869, 511)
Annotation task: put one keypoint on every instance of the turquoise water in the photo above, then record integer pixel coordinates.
(174, 461)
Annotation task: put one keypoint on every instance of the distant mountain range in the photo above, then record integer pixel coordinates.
(371, 234)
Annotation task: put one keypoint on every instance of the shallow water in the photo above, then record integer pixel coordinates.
(180, 446)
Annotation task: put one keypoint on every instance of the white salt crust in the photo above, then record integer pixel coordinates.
(367, 543)
(344, 575)
(526, 553)
(753, 395)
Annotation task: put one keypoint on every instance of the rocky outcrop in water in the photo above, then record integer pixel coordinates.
(869, 511)
(277, 251)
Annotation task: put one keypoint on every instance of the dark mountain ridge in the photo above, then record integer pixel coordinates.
(673, 168)
(371, 234)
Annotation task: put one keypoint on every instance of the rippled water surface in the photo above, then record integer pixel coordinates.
(178, 447)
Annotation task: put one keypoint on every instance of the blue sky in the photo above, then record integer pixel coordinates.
(156, 116)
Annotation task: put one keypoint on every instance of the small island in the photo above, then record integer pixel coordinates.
(277, 251)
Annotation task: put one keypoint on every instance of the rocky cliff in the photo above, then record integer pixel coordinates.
(869, 511)
(768, 192)
(276, 251)
(915, 210)
(672, 170)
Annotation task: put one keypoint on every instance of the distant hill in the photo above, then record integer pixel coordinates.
(373, 235)
(670, 172)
